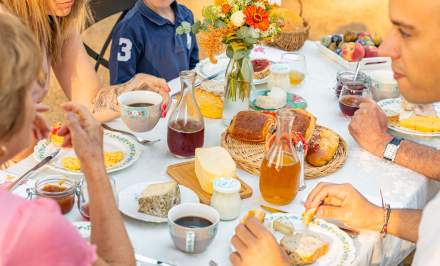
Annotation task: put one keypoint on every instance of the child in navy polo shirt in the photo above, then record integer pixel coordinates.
(145, 41)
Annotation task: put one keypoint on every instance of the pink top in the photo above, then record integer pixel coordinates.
(35, 233)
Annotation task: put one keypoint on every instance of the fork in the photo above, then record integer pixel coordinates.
(138, 139)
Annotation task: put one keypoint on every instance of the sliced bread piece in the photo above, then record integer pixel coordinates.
(304, 249)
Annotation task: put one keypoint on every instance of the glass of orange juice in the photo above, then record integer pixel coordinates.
(298, 67)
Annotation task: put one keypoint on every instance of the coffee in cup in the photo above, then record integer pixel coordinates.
(140, 110)
(193, 226)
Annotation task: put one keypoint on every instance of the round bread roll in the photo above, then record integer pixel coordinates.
(322, 147)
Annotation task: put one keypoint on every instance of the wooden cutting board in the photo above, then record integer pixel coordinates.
(184, 174)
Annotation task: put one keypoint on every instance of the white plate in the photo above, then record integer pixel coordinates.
(84, 229)
(205, 68)
(395, 106)
(261, 81)
(112, 142)
(341, 251)
(128, 203)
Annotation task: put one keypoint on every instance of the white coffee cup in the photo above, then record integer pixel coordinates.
(140, 118)
(193, 239)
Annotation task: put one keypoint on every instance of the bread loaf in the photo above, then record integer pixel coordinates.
(158, 199)
(251, 126)
(304, 123)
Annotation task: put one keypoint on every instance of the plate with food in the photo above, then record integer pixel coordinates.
(120, 152)
(151, 201)
(319, 243)
(206, 68)
(261, 67)
(411, 119)
(275, 99)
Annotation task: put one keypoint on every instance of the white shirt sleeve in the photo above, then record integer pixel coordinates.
(428, 245)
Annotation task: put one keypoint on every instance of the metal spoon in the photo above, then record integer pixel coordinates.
(138, 139)
(358, 68)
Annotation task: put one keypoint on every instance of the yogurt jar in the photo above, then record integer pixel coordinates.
(226, 198)
(279, 76)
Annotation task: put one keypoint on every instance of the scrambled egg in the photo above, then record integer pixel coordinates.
(110, 159)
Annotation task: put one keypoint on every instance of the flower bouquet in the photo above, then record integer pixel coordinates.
(237, 25)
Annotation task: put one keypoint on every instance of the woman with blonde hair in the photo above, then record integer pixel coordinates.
(34, 232)
(56, 25)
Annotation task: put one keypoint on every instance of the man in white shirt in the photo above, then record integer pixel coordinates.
(414, 47)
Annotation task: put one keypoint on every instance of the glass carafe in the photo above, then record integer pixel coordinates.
(281, 168)
(186, 128)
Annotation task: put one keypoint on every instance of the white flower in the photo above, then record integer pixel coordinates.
(275, 2)
(237, 18)
(259, 4)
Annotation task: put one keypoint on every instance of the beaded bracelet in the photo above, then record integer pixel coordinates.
(386, 216)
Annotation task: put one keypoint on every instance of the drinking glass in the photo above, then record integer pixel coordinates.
(83, 197)
(298, 67)
(351, 96)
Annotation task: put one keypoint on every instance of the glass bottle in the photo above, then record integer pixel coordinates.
(281, 168)
(186, 128)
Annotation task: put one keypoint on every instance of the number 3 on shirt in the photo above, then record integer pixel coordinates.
(125, 50)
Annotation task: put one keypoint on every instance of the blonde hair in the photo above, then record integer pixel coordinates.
(20, 62)
(50, 31)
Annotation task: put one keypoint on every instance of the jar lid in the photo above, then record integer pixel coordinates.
(280, 68)
(227, 185)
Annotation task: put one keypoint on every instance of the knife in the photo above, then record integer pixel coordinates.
(141, 258)
(19, 180)
(272, 210)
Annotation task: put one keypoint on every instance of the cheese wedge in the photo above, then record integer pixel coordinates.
(158, 199)
(422, 123)
(212, 163)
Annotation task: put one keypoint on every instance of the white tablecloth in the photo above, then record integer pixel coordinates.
(402, 188)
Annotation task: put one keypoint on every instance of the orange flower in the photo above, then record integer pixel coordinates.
(226, 8)
(257, 17)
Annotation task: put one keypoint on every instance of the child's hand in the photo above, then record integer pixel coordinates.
(149, 82)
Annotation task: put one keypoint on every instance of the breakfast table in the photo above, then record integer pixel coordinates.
(402, 188)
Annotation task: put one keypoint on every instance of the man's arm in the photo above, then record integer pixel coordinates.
(369, 128)
(344, 203)
(405, 223)
(419, 158)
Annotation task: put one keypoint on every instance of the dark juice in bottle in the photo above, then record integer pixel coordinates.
(184, 137)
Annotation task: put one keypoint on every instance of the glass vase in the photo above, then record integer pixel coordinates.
(238, 87)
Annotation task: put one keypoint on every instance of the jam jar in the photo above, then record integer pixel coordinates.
(362, 81)
(59, 188)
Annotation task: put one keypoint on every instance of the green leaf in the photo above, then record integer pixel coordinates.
(219, 24)
(229, 52)
(246, 69)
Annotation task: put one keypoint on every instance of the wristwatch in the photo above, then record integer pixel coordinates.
(391, 149)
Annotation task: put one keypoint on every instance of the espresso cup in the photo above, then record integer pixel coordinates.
(135, 114)
(188, 236)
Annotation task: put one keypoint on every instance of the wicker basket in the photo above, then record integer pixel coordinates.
(292, 41)
(249, 156)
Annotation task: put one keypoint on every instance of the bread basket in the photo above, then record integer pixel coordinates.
(293, 40)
